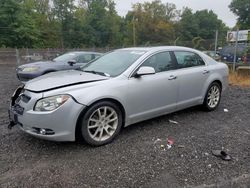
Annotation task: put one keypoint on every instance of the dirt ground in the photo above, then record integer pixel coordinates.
(135, 158)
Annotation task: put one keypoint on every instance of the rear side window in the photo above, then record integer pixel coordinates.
(160, 62)
(188, 59)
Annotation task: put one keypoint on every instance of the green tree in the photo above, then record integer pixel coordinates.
(95, 23)
(102, 23)
(97, 30)
(48, 27)
(188, 26)
(17, 26)
(8, 15)
(64, 12)
(200, 28)
(242, 9)
(208, 23)
(153, 23)
(113, 21)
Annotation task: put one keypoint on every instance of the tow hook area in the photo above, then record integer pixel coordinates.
(11, 124)
(12, 116)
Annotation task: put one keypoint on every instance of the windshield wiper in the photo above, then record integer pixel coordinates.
(97, 72)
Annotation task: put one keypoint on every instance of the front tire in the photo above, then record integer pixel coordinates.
(213, 96)
(101, 123)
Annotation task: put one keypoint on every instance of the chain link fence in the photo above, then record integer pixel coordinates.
(22, 56)
(10, 56)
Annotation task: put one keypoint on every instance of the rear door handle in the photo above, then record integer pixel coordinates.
(172, 77)
(206, 71)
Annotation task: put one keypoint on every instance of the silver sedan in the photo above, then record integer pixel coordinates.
(121, 88)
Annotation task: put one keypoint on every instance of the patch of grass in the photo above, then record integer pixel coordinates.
(238, 80)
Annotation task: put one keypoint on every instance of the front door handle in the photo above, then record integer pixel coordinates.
(206, 71)
(172, 77)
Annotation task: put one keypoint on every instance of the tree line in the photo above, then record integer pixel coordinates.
(96, 23)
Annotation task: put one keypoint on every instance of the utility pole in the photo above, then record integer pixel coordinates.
(134, 31)
(235, 49)
(216, 43)
(17, 57)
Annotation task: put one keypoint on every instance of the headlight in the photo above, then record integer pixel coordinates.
(50, 103)
(30, 69)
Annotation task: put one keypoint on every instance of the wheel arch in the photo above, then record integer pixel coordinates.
(208, 85)
(204, 104)
(217, 81)
(213, 78)
(115, 101)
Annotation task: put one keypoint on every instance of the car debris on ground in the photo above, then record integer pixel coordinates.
(172, 121)
(170, 142)
(159, 141)
(222, 154)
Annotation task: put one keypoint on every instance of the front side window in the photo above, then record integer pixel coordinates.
(160, 62)
(66, 57)
(188, 59)
(84, 58)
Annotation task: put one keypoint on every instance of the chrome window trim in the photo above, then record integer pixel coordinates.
(160, 51)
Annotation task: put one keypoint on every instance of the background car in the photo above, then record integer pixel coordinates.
(118, 89)
(212, 54)
(227, 53)
(71, 60)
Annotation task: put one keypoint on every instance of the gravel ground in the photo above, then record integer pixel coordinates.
(135, 158)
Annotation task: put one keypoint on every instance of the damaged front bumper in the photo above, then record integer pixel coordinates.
(56, 125)
(14, 108)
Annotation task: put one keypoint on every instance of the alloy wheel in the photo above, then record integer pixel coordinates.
(213, 96)
(102, 123)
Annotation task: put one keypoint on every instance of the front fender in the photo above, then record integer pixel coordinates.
(116, 90)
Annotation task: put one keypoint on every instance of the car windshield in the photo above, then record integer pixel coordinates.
(113, 63)
(65, 57)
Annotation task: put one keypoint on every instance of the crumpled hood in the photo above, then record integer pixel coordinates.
(61, 79)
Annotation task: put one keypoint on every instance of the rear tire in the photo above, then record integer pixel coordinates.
(213, 96)
(101, 123)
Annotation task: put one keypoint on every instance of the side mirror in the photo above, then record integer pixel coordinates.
(145, 70)
(72, 62)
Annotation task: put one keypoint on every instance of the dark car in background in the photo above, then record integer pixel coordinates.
(67, 61)
(227, 53)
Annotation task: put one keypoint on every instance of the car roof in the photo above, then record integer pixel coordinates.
(158, 48)
(84, 52)
(150, 50)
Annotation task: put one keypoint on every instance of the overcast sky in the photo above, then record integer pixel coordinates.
(220, 7)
